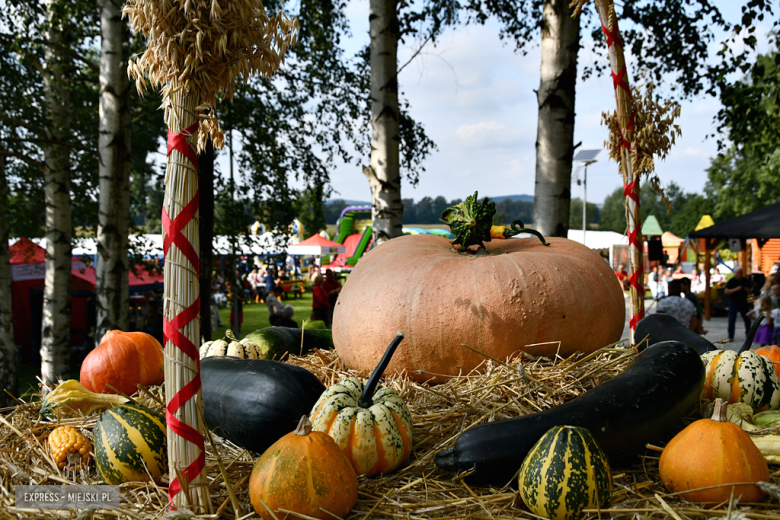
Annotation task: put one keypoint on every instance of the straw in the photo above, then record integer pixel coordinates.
(418, 489)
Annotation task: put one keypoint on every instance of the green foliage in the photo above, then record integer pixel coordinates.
(593, 214)
(746, 174)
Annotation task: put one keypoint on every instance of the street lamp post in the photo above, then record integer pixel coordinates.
(585, 157)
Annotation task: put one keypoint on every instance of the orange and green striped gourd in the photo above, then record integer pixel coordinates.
(742, 376)
(373, 429)
(130, 445)
(565, 472)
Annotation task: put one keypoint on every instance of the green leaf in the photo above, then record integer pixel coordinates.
(470, 221)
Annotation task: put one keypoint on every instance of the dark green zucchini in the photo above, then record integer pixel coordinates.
(640, 405)
(275, 341)
(254, 402)
(662, 327)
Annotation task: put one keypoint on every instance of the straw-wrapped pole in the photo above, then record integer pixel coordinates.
(617, 62)
(195, 49)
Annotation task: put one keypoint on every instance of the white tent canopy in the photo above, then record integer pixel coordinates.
(152, 245)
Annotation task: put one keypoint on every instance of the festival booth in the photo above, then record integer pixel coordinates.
(760, 226)
(28, 269)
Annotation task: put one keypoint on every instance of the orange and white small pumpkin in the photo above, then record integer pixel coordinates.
(373, 429)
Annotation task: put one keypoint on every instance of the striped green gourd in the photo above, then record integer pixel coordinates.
(372, 428)
(130, 445)
(564, 473)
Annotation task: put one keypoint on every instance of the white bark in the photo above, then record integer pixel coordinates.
(8, 374)
(55, 337)
(555, 130)
(114, 174)
(383, 173)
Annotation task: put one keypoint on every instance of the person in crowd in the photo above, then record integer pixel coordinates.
(697, 323)
(668, 276)
(269, 280)
(697, 281)
(657, 283)
(239, 302)
(332, 286)
(775, 298)
(320, 300)
(737, 290)
(273, 302)
(622, 276)
(677, 306)
(254, 280)
(285, 319)
(765, 332)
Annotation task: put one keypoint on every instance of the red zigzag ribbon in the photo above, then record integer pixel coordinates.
(172, 329)
(637, 279)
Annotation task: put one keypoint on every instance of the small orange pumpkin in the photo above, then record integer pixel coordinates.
(123, 360)
(305, 472)
(713, 452)
(773, 353)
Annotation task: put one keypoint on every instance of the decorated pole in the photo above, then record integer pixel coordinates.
(641, 128)
(195, 50)
(617, 62)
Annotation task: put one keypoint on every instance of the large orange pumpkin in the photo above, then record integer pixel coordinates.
(773, 354)
(305, 472)
(123, 360)
(518, 294)
(710, 453)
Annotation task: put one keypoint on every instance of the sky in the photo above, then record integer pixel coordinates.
(475, 97)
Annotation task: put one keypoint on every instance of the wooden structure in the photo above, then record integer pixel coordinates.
(762, 225)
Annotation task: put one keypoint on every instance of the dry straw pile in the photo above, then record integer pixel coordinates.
(418, 490)
(203, 47)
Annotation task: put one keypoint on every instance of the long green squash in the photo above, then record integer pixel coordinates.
(130, 445)
(564, 473)
(273, 342)
(639, 406)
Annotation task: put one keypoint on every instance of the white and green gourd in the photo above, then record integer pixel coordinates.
(230, 346)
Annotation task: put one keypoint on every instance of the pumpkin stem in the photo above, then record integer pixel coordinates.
(719, 412)
(752, 333)
(366, 400)
(304, 427)
(229, 335)
(470, 221)
(517, 228)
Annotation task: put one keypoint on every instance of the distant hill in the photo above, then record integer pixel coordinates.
(350, 202)
(498, 198)
(513, 198)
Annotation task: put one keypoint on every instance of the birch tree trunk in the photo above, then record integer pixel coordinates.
(114, 174)
(383, 173)
(9, 379)
(55, 337)
(555, 129)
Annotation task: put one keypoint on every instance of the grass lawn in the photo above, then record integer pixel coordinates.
(256, 315)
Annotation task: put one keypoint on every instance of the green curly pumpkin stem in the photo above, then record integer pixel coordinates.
(366, 400)
(470, 221)
(752, 333)
(517, 227)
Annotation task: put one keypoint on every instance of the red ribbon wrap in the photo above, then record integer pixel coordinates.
(172, 329)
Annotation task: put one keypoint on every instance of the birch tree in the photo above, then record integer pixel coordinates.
(9, 379)
(55, 337)
(114, 173)
(555, 128)
(383, 172)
